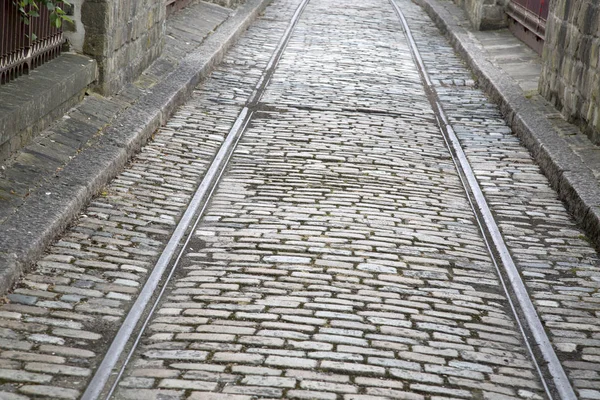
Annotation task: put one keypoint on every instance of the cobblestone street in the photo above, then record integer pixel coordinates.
(340, 256)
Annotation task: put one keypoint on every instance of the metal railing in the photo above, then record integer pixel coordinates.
(24, 47)
(532, 14)
(527, 20)
(537, 7)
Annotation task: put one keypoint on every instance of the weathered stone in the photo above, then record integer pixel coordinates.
(570, 75)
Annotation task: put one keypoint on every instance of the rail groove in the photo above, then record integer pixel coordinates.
(100, 385)
(552, 375)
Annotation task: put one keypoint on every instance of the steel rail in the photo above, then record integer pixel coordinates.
(524, 308)
(183, 233)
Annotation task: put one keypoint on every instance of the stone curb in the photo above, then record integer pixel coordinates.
(53, 206)
(569, 176)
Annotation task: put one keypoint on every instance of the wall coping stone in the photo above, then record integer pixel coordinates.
(32, 97)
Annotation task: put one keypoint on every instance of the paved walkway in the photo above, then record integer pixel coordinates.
(512, 56)
(339, 258)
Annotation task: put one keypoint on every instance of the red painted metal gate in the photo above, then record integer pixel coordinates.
(25, 46)
(527, 20)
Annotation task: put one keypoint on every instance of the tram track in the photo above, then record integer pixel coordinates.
(108, 374)
(142, 310)
(552, 375)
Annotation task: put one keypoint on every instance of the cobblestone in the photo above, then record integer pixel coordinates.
(354, 264)
(339, 257)
(553, 255)
(83, 286)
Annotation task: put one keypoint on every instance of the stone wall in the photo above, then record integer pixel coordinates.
(124, 36)
(227, 3)
(485, 14)
(571, 71)
(74, 32)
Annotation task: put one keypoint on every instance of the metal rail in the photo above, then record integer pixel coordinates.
(171, 256)
(125, 342)
(529, 323)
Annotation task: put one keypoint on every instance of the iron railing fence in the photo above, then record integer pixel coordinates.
(537, 7)
(24, 47)
(527, 20)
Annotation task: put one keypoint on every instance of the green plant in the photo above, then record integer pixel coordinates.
(30, 9)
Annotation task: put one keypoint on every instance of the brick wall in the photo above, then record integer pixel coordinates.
(124, 36)
(571, 71)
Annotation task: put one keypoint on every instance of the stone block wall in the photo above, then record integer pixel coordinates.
(485, 14)
(571, 62)
(123, 36)
(227, 3)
